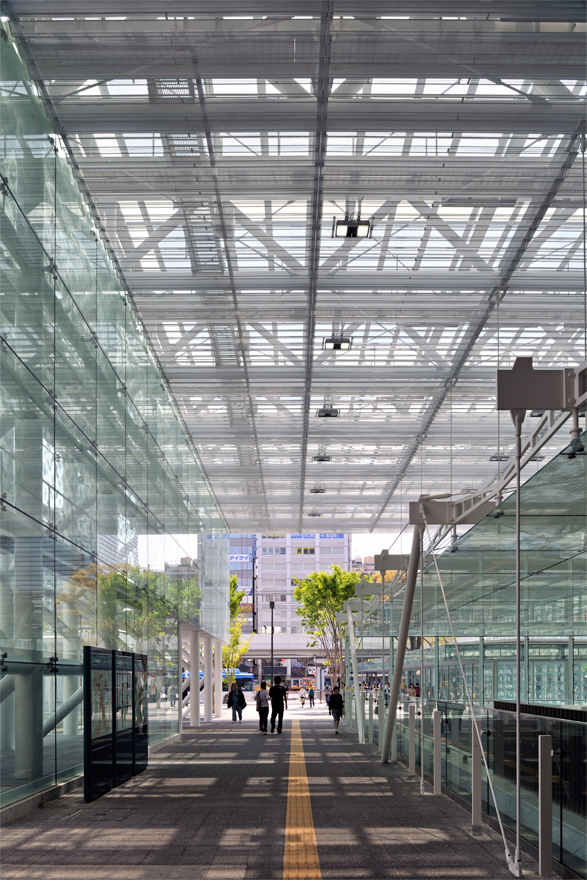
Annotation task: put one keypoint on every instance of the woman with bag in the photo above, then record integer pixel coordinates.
(303, 696)
(263, 707)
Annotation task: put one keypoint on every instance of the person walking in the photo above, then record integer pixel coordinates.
(236, 701)
(173, 695)
(263, 707)
(303, 696)
(311, 695)
(336, 708)
(278, 696)
(327, 697)
(411, 693)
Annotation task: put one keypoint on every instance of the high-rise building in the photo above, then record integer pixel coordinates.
(282, 558)
(242, 562)
(267, 563)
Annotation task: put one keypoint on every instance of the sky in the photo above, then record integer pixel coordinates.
(369, 544)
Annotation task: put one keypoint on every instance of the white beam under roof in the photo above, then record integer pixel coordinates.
(217, 144)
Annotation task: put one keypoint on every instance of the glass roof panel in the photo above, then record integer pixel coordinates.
(217, 149)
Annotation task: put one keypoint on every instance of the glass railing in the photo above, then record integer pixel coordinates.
(498, 731)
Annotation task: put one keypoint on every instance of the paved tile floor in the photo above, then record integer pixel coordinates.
(214, 806)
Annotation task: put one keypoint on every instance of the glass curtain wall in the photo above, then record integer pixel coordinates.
(101, 491)
(478, 576)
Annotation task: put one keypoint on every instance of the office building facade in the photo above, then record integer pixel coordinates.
(281, 558)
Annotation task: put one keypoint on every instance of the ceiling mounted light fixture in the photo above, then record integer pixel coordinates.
(337, 343)
(327, 412)
(351, 228)
(317, 489)
(314, 514)
(321, 456)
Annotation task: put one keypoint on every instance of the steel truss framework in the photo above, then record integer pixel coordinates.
(218, 141)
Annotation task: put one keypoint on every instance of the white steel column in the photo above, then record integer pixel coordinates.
(179, 677)
(412, 740)
(370, 737)
(437, 729)
(360, 716)
(545, 805)
(195, 678)
(218, 677)
(476, 761)
(208, 673)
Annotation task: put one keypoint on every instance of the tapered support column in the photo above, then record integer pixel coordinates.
(71, 683)
(29, 686)
(28, 700)
(218, 678)
(380, 718)
(476, 762)
(412, 740)
(437, 734)
(370, 738)
(545, 805)
(208, 673)
(401, 643)
(195, 678)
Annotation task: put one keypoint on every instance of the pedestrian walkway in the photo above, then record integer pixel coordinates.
(228, 802)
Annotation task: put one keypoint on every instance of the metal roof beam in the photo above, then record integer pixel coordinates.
(170, 115)
(321, 90)
(509, 264)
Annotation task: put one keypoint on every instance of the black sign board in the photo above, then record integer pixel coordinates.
(115, 718)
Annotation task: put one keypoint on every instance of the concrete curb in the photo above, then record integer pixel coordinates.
(23, 807)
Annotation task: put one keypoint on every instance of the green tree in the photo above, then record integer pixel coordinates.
(130, 608)
(237, 647)
(321, 595)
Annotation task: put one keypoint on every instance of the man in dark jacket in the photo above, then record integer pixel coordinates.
(236, 701)
(278, 696)
(336, 707)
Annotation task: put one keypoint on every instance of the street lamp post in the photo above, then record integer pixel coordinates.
(272, 606)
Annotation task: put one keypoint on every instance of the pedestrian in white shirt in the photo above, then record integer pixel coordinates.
(263, 707)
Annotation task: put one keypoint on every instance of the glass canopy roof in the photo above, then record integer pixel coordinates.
(218, 142)
(479, 571)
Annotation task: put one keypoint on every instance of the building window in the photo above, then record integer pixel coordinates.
(273, 551)
(301, 551)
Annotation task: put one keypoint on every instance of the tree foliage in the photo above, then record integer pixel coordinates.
(130, 608)
(237, 647)
(321, 595)
(389, 576)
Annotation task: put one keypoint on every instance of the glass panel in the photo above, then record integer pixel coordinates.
(102, 492)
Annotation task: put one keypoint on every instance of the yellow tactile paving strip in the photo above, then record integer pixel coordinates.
(300, 858)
